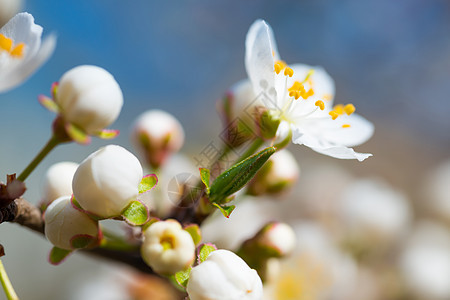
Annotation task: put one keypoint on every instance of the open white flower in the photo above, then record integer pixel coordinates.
(301, 97)
(224, 276)
(107, 181)
(21, 51)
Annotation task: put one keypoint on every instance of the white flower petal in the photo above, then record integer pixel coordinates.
(21, 29)
(323, 146)
(260, 56)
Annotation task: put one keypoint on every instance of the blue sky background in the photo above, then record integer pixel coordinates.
(390, 58)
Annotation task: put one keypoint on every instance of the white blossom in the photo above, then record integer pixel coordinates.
(63, 223)
(21, 50)
(58, 181)
(224, 276)
(107, 181)
(301, 97)
(89, 97)
(167, 248)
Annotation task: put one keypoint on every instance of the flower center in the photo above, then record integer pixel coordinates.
(167, 242)
(7, 44)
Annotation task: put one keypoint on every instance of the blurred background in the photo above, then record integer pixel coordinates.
(390, 58)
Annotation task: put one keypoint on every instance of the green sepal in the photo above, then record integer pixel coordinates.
(203, 251)
(48, 103)
(147, 183)
(182, 277)
(195, 233)
(149, 223)
(205, 176)
(77, 134)
(107, 134)
(225, 210)
(236, 177)
(83, 241)
(136, 213)
(57, 255)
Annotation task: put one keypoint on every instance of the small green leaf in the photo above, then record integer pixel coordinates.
(149, 223)
(236, 177)
(182, 277)
(225, 210)
(82, 241)
(77, 134)
(195, 233)
(147, 183)
(57, 255)
(48, 103)
(107, 134)
(136, 213)
(203, 251)
(205, 176)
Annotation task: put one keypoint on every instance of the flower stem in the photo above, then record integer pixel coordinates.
(6, 283)
(114, 242)
(252, 149)
(52, 143)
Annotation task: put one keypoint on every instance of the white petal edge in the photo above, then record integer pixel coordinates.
(260, 55)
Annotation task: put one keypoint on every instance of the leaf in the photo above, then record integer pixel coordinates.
(147, 183)
(205, 176)
(107, 134)
(136, 213)
(225, 210)
(182, 277)
(80, 241)
(48, 103)
(236, 177)
(195, 233)
(77, 134)
(57, 255)
(203, 251)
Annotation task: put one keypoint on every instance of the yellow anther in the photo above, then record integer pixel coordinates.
(327, 97)
(288, 72)
(295, 94)
(333, 114)
(320, 104)
(273, 53)
(346, 126)
(349, 109)
(18, 50)
(308, 94)
(339, 109)
(279, 65)
(5, 43)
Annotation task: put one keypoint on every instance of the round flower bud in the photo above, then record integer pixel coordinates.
(224, 276)
(167, 248)
(277, 237)
(64, 223)
(89, 97)
(58, 181)
(156, 134)
(279, 173)
(107, 180)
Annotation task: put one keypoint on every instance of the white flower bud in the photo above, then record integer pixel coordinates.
(167, 248)
(58, 181)
(281, 172)
(156, 134)
(279, 237)
(89, 97)
(63, 223)
(107, 180)
(224, 276)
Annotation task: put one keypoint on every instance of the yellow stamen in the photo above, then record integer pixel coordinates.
(288, 72)
(5, 43)
(295, 94)
(320, 104)
(339, 109)
(309, 74)
(346, 126)
(279, 65)
(308, 94)
(296, 86)
(333, 114)
(18, 50)
(349, 109)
